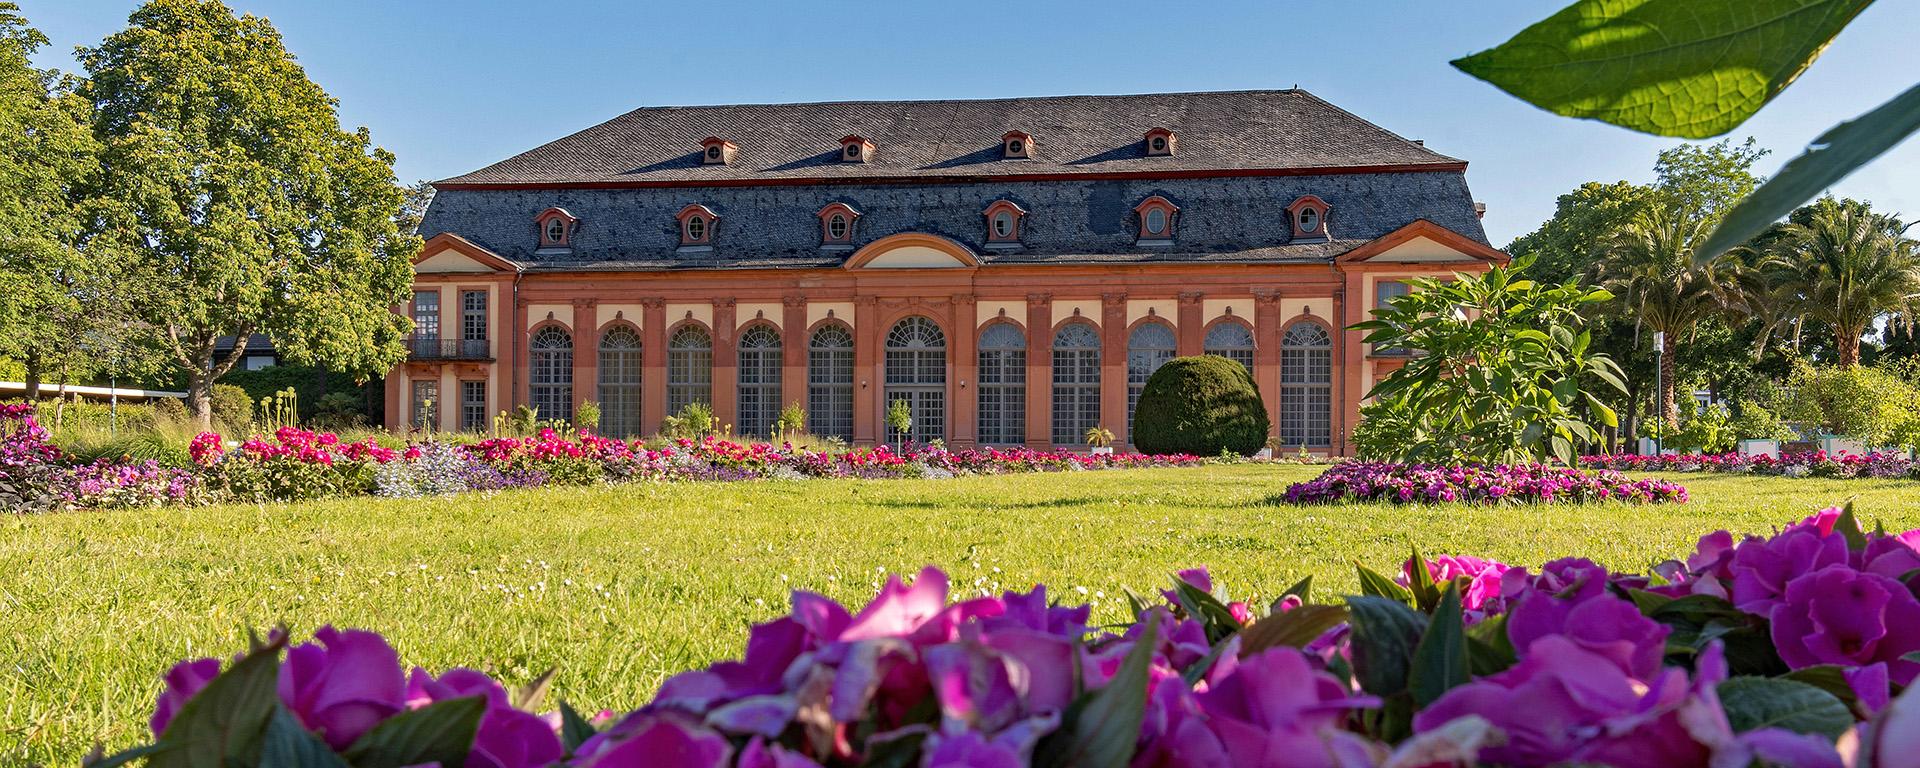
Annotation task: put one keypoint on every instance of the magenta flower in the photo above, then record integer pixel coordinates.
(1762, 568)
(1275, 709)
(1838, 615)
(342, 684)
(507, 737)
(182, 681)
(1481, 598)
(648, 740)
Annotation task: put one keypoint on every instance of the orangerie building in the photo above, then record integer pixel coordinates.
(1015, 269)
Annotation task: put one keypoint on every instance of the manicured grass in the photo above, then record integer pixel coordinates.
(619, 586)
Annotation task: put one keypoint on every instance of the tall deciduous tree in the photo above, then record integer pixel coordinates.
(46, 158)
(1839, 263)
(252, 208)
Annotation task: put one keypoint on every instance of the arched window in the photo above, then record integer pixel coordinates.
(620, 382)
(689, 368)
(1231, 339)
(1149, 346)
(917, 374)
(1003, 384)
(550, 380)
(759, 375)
(1076, 382)
(830, 382)
(1306, 386)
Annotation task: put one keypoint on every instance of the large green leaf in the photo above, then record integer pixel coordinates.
(1688, 68)
(1384, 635)
(574, 729)
(1831, 157)
(1440, 661)
(223, 724)
(1101, 727)
(287, 743)
(441, 732)
(1373, 584)
(1753, 703)
(1294, 628)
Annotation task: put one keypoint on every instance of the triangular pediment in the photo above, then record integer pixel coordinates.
(1423, 242)
(448, 253)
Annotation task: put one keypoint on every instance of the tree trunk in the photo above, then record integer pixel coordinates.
(34, 373)
(1847, 344)
(200, 399)
(1669, 402)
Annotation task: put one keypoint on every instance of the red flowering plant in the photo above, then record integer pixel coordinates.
(1726, 659)
(27, 461)
(293, 464)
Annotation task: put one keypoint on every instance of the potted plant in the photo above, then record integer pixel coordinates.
(1099, 440)
(900, 421)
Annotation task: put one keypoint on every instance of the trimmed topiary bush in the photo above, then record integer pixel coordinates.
(1200, 405)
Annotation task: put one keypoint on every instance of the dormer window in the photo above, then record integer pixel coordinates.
(697, 223)
(717, 151)
(1161, 142)
(836, 224)
(854, 149)
(1003, 222)
(555, 226)
(1157, 219)
(1016, 145)
(1309, 217)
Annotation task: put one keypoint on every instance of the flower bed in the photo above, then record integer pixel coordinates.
(1786, 650)
(1883, 464)
(301, 464)
(1484, 484)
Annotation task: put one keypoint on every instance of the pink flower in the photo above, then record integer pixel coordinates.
(183, 681)
(1838, 615)
(649, 740)
(507, 737)
(1275, 709)
(342, 684)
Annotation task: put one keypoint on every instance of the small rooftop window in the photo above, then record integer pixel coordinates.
(717, 151)
(1161, 142)
(1016, 145)
(854, 149)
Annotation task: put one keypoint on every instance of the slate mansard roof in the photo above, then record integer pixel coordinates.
(1241, 158)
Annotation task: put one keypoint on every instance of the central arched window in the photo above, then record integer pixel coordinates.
(1003, 384)
(550, 378)
(917, 374)
(620, 382)
(759, 375)
(689, 368)
(1076, 382)
(830, 382)
(1231, 339)
(1306, 386)
(1148, 347)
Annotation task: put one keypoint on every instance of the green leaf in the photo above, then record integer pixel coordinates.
(1302, 589)
(1848, 526)
(1831, 678)
(1829, 159)
(574, 729)
(1753, 703)
(1294, 628)
(1648, 602)
(1101, 727)
(1420, 581)
(1687, 68)
(440, 732)
(288, 743)
(1489, 650)
(1440, 661)
(1372, 584)
(224, 723)
(1212, 614)
(530, 697)
(1384, 635)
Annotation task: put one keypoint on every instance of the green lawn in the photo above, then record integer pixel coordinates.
(620, 586)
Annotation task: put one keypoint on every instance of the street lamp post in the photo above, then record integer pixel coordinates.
(1659, 393)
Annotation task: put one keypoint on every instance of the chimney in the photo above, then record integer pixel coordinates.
(1479, 210)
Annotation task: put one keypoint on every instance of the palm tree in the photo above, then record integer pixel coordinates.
(1837, 262)
(1649, 264)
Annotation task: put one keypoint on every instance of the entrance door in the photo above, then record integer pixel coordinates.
(917, 375)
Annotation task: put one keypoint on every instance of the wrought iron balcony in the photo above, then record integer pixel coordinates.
(448, 349)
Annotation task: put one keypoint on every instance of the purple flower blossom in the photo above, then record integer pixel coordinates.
(1838, 615)
(342, 684)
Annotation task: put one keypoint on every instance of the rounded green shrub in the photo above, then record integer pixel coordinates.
(232, 407)
(1202, 406)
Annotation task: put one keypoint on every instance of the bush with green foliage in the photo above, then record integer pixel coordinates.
(587, 416)
(693, 422)
(792, 421)
(1709, 431)
(1867, 404)
(1753, 421)
(311, 385)
(337, 411)
(232, 407)
(1200, 405)
(1501, 376)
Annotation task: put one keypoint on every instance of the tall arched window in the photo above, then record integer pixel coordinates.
(689, 368)
(1231, 339)
(1306, 386)
(917, 373)
(550, 380)
(759, 377)
(1076, 382)
(830, 382)
(620, 382)
(1003, 384)
(1148, 347)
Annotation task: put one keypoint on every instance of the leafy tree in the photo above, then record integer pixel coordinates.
(417, 196)
(1501, 377)
(1650, 265)
(1844, 266)
(250, 207)
(1563, 247)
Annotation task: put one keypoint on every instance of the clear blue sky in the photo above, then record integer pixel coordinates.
(450, 86)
